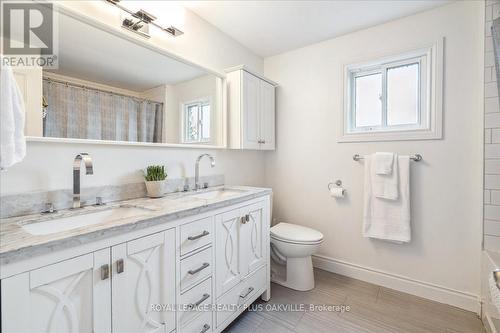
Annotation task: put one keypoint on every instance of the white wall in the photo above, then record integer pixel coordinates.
(446, 187)
(48, 165)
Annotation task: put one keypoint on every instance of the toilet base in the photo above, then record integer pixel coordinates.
(299, 274)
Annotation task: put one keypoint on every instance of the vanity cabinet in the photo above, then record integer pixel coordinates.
(251, 110)
(73, 295)
(239, 245)
(193, 274)
(240, 251)
(110, 290)
(143, 274)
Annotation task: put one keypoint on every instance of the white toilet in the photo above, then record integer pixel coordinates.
(291, 248)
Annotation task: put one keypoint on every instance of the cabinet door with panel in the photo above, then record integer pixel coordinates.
(227, 249)
(251, 247)
(251, 108)
(240, 245)
(251, 105)
(267, 116)
(73, 295)
(144, 275)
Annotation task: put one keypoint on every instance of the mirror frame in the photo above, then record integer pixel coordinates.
(119, 33)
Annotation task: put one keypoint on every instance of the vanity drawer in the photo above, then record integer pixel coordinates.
(196, 234)
(202, 324)
(196, 268)
(240, 294)
(200, 295)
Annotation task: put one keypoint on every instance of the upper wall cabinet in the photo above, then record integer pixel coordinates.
(251, 110)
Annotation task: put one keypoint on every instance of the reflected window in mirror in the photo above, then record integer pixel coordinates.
(196, 117)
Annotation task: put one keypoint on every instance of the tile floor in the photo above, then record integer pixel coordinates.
(372, 309)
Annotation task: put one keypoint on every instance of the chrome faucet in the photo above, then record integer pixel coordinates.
(89, 170)
(197, 170)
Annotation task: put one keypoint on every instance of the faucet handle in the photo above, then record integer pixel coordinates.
(49, 208)
(186, 188)
(205, 185)
(98, 201)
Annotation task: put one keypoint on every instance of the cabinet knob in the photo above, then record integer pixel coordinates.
(205, 328)
(104, 272)
(120, 266)
(245, 219)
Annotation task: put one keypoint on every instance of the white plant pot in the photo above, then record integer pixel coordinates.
(155, 188)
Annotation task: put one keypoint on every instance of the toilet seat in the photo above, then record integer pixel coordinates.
(296, 234)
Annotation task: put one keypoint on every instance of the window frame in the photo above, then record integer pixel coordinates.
(429, 114)
(184, 108)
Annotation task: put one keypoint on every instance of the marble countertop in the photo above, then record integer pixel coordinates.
(16, 243)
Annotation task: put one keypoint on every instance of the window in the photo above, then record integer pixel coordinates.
(396, 98)
(196, 120)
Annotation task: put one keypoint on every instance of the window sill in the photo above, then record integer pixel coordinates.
(405, 135)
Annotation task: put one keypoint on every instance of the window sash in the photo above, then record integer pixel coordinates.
(200, 122)
(382, 69)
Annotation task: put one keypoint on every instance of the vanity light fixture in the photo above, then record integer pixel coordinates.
(140, 21)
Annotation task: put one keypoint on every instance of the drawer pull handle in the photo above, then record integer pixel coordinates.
(199, 269)
(120, 266)
(104, 272)
(245, 219)
(247, 293)
(206, 327)
(202, 299)
(203, 234)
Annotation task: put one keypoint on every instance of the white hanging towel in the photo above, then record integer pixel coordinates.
(384, 163)
(12, 113)
(385, 218)
(385, 185)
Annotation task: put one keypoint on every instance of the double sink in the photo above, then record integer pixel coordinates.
(108, 214)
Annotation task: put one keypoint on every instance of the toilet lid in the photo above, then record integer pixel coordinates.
(295, 233)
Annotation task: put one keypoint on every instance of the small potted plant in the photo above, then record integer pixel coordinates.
(154, 177)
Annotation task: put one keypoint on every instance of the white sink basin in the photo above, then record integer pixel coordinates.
(216, 194)
(82, 220)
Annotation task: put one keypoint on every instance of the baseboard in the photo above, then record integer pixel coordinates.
(430, 291)
(488, 325)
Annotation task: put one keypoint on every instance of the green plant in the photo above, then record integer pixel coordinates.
(155, 173)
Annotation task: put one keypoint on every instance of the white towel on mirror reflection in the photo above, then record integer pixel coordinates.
(385, 185)
(388, 219)
(383, 163)
(12, 141)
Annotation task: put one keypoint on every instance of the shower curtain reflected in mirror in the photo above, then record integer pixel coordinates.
(86, 113)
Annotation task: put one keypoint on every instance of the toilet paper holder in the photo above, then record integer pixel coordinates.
(338, 182)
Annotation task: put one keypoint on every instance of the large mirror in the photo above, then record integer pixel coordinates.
(114, 89)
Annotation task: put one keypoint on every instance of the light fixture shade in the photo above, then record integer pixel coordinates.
(141, 18)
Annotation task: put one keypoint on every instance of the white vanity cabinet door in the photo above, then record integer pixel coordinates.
(267, 116)
(70, 296)
(226, 250)
(252, 249)
(144, 275)
(250, 100)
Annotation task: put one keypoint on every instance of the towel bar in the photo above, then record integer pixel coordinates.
(416, 157)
